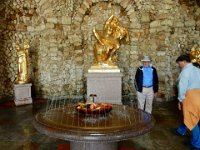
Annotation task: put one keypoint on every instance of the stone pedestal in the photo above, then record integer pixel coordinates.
(107, 86)
(93, 146)
(22, 94)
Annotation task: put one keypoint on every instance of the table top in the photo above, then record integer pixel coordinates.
(67, 123)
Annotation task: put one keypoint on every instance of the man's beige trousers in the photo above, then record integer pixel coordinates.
(145, 99)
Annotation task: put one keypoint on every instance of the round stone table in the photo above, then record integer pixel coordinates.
(93, 131)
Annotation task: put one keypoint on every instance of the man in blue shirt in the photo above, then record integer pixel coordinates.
(146, 83)
(189, 79)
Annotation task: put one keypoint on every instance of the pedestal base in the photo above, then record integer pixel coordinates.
(23, 101)
(107, 87)
(93, 146)
(22, 94)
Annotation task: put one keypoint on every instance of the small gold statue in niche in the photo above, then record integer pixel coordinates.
(195, 55)
(22, 54)
(108, 42)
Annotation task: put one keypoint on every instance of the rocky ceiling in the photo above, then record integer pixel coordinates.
(190, 2)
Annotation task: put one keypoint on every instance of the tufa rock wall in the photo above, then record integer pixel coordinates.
(61, 41)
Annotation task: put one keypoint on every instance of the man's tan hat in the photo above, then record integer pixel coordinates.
(146, 58)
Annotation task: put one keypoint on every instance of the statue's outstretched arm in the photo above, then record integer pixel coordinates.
(98, 36)
(108, 22)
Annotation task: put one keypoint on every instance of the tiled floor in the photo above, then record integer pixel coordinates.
(18, 133)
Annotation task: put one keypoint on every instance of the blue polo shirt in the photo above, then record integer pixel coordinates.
(147, 76)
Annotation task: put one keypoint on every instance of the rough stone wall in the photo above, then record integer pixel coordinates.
(61, 40)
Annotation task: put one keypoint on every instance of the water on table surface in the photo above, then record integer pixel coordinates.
(62, 114)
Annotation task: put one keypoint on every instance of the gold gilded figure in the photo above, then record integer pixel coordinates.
(22, 53)
(108, 42)
(195, 55)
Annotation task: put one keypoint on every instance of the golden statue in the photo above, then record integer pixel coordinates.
(108, 42)
(22, 53)
(195, 55)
